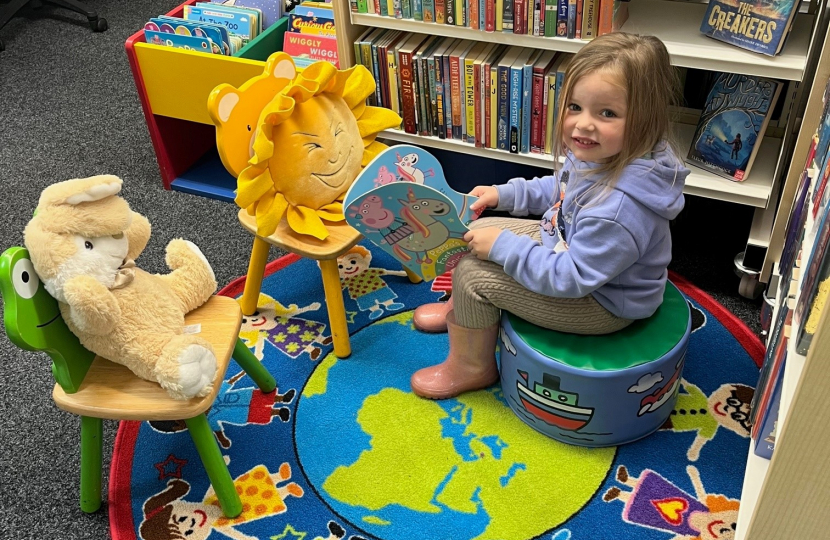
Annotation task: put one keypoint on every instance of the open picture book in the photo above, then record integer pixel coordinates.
(402, 203)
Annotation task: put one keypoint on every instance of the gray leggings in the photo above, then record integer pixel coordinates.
(481, 289)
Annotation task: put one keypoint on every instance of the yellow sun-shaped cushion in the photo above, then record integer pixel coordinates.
(312, 139)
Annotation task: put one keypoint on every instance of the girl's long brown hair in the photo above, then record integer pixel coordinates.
(642, 65)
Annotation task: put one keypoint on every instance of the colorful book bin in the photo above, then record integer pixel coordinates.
(596, 390)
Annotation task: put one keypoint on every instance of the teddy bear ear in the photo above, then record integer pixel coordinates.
(281, 66)
(79, 190)
(221, 102)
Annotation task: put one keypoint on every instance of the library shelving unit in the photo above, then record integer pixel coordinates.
(677, 24)
(788, 496)
(173, 86)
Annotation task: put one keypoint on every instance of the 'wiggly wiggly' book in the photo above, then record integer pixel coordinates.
(401, 201)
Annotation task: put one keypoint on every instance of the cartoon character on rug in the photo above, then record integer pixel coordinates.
(309, 139)
(656, 503)
(237, 407)
(83, 241)
(278, 325)
(167, 516)
(727, 407)
(365, 284)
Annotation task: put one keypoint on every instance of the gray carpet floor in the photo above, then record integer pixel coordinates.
(68, 109)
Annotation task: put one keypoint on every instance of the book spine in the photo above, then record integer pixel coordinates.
(549, 114)
(417, 10)
(482, 13)
(527, 93)
(469, 100)
(439, 96)
(425, 98)
(486, 100)
(499, 15)
(440, 12)
(460, 12)
(492, 127)
(519, 17)
(515, 109)
(580, 4)
(362, 6)
(507, 15)
(407, 93)
(550, 17)
(403, 9)
(571, 19)
(490, 16)
(447, 80)
(560, 79)
(504, 108)
(429, 11)
(540, 11)
(384, 8)
(376, 70)
(562, 19)
(589, 21)
(606, 17)
(432, 105)
(368, 62)
(353, 6)
(537, 111)
(450, 12)
(473, 14)
(455, 96)
(416, 94)
(478, 131)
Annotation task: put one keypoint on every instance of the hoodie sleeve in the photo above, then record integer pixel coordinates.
(587, 264)
(521, 197)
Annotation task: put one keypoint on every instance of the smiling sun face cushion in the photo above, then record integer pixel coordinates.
(311, 141)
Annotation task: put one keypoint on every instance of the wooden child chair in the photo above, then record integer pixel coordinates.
(342, 237)
(95, 388)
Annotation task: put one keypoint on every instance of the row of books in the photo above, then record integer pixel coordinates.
(484, 94)
(804, 267)
(573, 19)
(206, 27)
(312, 34)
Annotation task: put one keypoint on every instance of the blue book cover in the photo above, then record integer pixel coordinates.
(401, 201)
(271, 9)
(765, 443)
(237, 22)
(218, 35)
(527, 95)
(562, 19)
(757, 26)
(417, 10)
(447, 95)
(515, 125)
(732, 124)
(177, 41)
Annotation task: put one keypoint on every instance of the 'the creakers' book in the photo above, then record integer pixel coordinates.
(401, 202)
(759, 26)
(732, 124)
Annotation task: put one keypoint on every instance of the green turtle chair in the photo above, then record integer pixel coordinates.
(95, 388)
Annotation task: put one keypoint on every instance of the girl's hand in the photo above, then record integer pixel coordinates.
(480, 241)
(488, 197)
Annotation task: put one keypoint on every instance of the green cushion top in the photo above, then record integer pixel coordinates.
(640, 342)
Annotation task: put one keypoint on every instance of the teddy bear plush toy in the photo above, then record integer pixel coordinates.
(82, 241)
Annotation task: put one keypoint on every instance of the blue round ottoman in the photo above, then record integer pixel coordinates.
(596, 390)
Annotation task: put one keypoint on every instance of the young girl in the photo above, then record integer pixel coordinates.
(599, 259)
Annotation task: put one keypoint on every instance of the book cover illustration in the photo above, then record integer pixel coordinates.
(758, 25)
(732, 124)
(401, 202)
(271, 9)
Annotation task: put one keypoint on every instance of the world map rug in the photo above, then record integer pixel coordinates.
(344, 450)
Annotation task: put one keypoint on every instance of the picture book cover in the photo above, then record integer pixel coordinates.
(401, 202)
(757, 25)
(271, 9)
(732, 125)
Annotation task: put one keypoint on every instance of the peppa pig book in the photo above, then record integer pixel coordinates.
(401, 202)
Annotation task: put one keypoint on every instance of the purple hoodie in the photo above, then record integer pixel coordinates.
(618, 250)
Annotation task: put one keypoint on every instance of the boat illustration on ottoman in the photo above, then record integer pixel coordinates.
(547, 402)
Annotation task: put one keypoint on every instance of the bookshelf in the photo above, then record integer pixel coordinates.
(786, 497)
(677, 24)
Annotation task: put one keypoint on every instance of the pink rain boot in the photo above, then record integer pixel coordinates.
(470, 365)
(432, 318)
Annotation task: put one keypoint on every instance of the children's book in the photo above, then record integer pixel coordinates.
(401, 202)
(272, 10)
(760, 26)
(732, 125)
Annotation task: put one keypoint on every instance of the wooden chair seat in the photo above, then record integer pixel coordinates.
(111, 391)
(342, 237)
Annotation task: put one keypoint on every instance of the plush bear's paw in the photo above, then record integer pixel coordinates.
(188, 371)
(182, 253)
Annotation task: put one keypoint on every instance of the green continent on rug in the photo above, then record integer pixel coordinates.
(344, 449)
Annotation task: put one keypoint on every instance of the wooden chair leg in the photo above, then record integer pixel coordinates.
(413, 277)
(91, 463)
(217, 470)
(253, 367)
(253, 282)
(337, 310)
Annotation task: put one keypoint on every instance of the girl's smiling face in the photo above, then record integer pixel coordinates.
(595, 116)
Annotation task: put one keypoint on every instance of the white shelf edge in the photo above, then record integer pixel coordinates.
(754, 191)
(756, 471)
(677, 24)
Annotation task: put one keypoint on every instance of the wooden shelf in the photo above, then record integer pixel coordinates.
(756, 471)
(677, 24)
(754, 191)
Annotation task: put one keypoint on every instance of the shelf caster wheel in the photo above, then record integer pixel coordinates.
(750, 287)
(98, 24)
